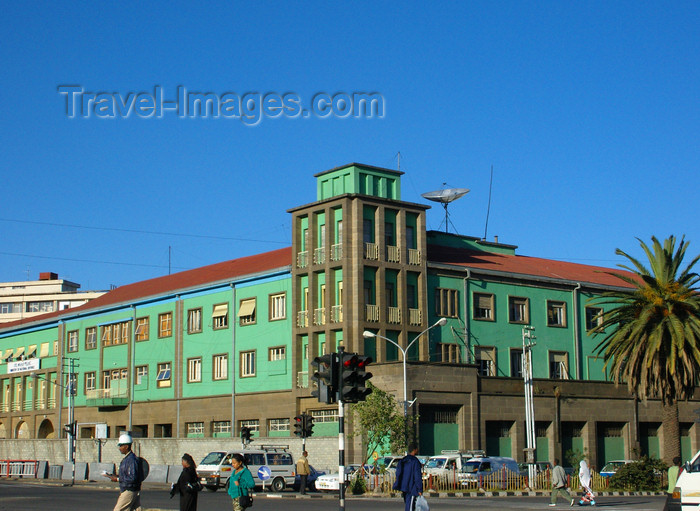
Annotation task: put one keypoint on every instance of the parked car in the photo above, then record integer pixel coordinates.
(310, 480)
(215, 469)
(540, 466)
(612, 466)
(329, 482)
(475, 469)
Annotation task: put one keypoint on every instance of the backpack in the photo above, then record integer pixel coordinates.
(143, 468)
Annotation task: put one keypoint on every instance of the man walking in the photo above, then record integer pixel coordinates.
(409, 478)
(129, 477)
(303, 470)
(559, 484)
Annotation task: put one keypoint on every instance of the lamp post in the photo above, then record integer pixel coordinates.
(367, 334)
(529, 402)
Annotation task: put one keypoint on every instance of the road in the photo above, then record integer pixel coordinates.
(20, 495)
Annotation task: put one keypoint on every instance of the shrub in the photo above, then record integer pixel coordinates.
(358, 486)
(643, 475)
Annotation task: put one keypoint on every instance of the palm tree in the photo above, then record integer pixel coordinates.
(654, 341)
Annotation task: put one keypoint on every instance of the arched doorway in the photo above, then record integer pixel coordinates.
(46, 430)
(22, 430)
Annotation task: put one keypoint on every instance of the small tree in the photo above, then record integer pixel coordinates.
(380, 422)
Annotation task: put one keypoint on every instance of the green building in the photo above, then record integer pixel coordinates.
(205, 352)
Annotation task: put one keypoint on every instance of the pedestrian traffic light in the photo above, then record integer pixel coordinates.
(299, 425)
(245, 435)
(308, 425)
(324, 376)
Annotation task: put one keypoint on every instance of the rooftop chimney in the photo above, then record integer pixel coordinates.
(48, 275)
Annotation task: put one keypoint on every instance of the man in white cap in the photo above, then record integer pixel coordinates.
(129, 477)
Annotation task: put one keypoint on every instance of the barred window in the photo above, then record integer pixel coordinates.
(278, 425)
(324, 415)
(221, 428)
(195, 429)
(253, 424)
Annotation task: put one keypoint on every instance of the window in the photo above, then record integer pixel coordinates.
(10, 308)
(448, 352)
(163, 378)
(141, 375)
(558, 365)
(594, 317)
(220, 316)
(252, 424)
(220, 363)
(324, 415)
(246, 312)
(142, 325)
(247, 364)
(486, 360)
(116, 333)
(165, 324)
(90, 381)
(483, 306)
(518, 310)
(367, 230)
(113, 375)
(278, 353)
(389, 234)
(194, 370)
(556, 313)
(91, 338)
(194, 429)
(40, 307)
(410, 236)
(221, 428)
(446, 303)
(194, 321)
(278, 306)
(278, 425)
(73, 341)
(516, 363)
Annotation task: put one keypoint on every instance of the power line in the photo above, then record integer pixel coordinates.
(138, 231)
(89, 261)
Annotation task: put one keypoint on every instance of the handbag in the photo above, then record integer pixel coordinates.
(422, 504)
(246, 501)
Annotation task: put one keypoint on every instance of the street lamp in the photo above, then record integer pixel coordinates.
(367, 334)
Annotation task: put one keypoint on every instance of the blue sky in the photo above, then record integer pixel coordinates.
(589, 113)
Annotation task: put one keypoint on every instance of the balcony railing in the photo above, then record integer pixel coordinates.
(4, 407)
(16, 406)
(319, 316)
(371, 313)
(372, 251)
(393, 254)
(319, 255)
(337, 314)
(302, 259)
(414, 256)
(336, 252)
(28, 405)
(393, 315)
(303, 319)
(107, 397)
(415, 317)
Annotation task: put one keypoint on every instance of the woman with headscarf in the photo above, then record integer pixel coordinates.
(187, 484)
(241, 483)
(584, 477)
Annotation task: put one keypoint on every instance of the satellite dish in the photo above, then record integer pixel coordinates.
(444, 197)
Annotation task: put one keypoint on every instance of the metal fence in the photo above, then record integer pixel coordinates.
(18, 468)
(502, 480)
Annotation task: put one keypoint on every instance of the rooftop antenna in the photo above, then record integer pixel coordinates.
(444, 197)
(488, 208)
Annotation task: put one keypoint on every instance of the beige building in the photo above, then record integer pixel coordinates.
(21, 300)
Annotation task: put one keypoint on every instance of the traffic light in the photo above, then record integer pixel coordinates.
(70, 429)
(299, 425)
(362, 377)
(245, 435)
(325, 371)
(308, 425)
(353, 377)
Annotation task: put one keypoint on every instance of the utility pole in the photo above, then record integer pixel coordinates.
(71, 417)
(529, 405)
(341, 435)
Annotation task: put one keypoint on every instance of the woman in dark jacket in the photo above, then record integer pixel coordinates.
(187, 484)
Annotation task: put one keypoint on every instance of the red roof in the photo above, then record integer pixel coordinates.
(523, 265)
(159, 286)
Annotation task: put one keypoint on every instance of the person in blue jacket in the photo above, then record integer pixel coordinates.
(409, 477)
(241, 481)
